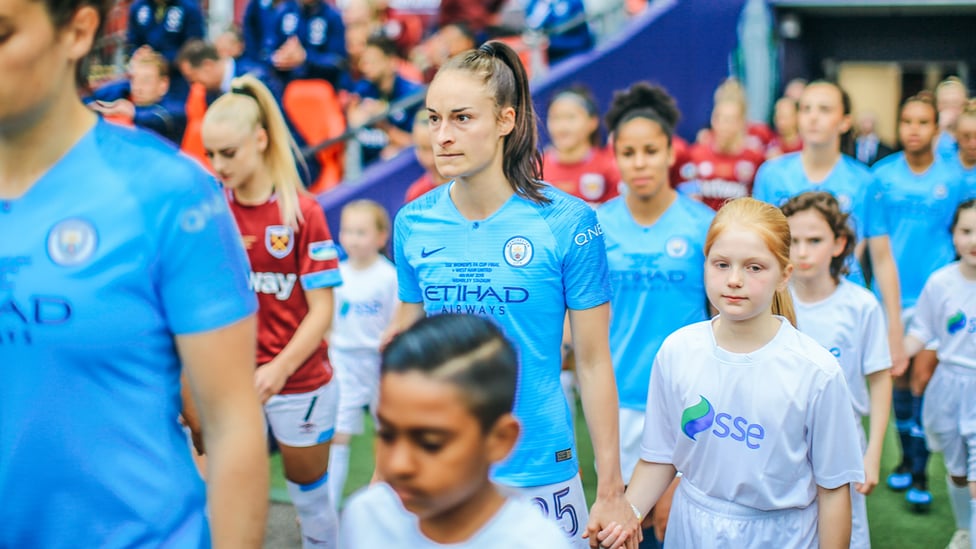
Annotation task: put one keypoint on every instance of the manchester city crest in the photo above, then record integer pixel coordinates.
(677, 247)
(279, 240)
(71, 242)
(518, 251)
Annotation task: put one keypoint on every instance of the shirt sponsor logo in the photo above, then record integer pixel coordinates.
(279, 285)
(17, 318)
(278, 240)
(587, 236)
(956, 322)
(324, 250)
(699, 418)
(71, 242)
(518, 251)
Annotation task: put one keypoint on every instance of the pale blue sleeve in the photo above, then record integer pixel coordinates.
(201, 266)
(408, 287)
(761, 186)
(832, 435)
(586, 277)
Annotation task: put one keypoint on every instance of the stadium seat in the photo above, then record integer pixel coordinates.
(316, 113)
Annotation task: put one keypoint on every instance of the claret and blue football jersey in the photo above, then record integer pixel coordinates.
(121, 245)
(522, 267)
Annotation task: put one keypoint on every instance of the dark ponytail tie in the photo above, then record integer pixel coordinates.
(244, 91)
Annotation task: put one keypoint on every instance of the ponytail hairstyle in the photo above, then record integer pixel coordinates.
(465, 351)
(643, 100)
(827, 206)
(504, 77)
(847, 138)
(249, 106)
(771, 225)
(582, 96)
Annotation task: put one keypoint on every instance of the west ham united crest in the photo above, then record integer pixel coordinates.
(279, 240)
(518, 251)
(71, 242)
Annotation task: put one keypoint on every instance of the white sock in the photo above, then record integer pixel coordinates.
(338, 470)
(959, 499)
(319, 522)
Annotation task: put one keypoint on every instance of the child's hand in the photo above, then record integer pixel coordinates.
(269, 379)
(872, 467)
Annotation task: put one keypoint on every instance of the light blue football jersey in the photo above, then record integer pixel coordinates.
(968, 178)
(850, 182)
(919, 210)
(522, 267)
(657, 277)
(120, 245)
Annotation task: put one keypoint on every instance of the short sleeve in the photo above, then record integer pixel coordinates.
(760, 187)
(658, 440)
(872, 215)
(876, 355)
(201, 265)
(832, 435)
(408, 287)
(924, 322)
(318, 258)
(586, 276)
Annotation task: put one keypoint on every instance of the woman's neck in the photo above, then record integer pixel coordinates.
(464, 521)
(479, 195)
(646, 211)
(28, 149)
(814, 290)
(920, 161)
(745, 336)
(575, 154)
(818, 162)
(255, 191)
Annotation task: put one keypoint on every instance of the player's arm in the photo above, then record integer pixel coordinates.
(598, 389)
(834, 517)
(647, 484)
(219, 366)
(271, 377)
(886, 276)
(879, 385)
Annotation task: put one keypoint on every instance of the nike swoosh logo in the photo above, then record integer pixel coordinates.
(425, 253)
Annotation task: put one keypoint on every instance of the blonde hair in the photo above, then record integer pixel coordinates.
(952, 82)
(771, 225)
(249, 106)
(380, 217)
(154, 60)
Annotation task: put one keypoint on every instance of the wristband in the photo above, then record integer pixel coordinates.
(637, 512)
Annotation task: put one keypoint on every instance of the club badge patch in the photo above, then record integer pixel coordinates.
(279, 240)
(518, 251)
(677, 247)
(71, 242)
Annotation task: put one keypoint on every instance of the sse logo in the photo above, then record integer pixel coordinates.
(700, 417)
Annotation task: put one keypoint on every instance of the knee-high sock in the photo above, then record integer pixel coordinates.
(319, 523)
(960, 500)
(338, 470)
(920, 450)
(901, 400)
